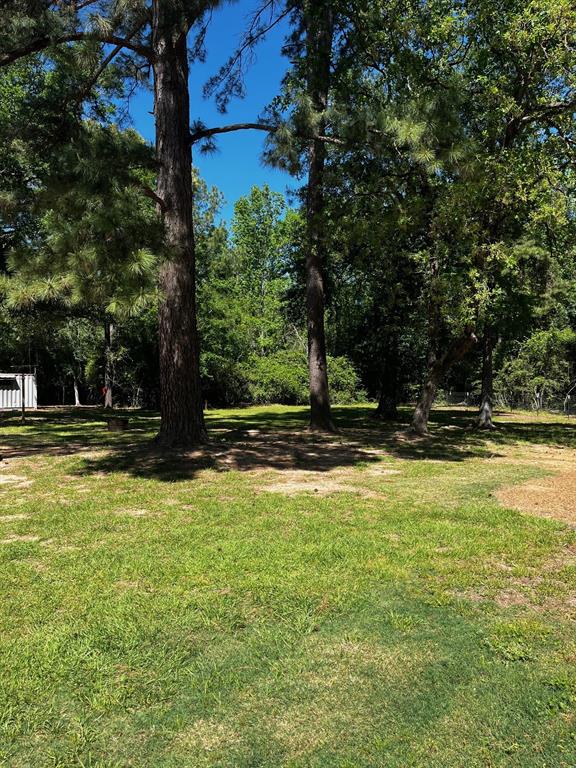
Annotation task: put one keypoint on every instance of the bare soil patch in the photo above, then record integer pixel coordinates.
(322, 487)
(291, 450)
(324, 483)
(553, 497)
(19, 481)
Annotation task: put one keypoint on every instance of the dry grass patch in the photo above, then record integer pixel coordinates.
(553, 497)
(546, 457)
(14, 539)
(328, 481)
(133, 512)
(124, 584)
(207, 735)
(321, 487)
(18, 481)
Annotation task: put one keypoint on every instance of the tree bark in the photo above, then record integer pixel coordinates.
(487, 397)
(108, 364)
(182, 417)
(438, 368)
(319, 50)
(76, 391)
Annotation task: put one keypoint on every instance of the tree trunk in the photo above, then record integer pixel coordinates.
(438, 368)
(182, 417)
(430, 385)
(424, 405)
(319, 50)
(76, 391)
(108, 364)
(487, 397)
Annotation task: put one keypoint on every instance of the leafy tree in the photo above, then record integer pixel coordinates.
(141, 36)
(259, 243)
(94, 231)
(542, 368)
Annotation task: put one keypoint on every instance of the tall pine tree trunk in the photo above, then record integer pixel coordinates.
(487, 397)
(108, 364)
(182, 418)
(319, 50)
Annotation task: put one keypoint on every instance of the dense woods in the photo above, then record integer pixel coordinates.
(429, 252)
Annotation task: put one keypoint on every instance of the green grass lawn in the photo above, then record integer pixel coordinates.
(282, 599)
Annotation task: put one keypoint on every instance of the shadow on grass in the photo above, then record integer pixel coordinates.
(66, 431)
(265, 439)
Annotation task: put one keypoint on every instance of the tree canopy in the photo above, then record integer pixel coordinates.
(429, 248)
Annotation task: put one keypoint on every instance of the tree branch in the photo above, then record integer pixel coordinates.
(205, 133)
(256, 31)
(545, 110)
(42, 43)
(149, 192)
(87, 87)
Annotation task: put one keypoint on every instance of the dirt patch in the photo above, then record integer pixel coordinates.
(553, 497)
(507, 598)
(12, 518)
(18, 481)
(293, 450)
(294, 484)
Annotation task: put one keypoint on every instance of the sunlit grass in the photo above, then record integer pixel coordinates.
(171, 611)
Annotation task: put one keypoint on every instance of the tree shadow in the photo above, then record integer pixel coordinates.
(67, 431)
(268, 439)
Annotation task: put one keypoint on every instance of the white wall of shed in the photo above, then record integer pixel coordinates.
(11, 399)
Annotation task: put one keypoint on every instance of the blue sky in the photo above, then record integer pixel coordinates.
(236, 167)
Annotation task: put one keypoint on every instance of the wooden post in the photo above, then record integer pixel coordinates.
(22, 384)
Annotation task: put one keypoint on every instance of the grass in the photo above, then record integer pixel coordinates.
(203, 611)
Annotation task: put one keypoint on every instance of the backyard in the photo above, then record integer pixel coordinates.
(285, 599)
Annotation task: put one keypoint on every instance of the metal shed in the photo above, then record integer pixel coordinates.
(11, 387)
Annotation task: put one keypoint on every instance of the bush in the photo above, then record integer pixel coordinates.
(345, 386)
(282, 377)
(223, 381)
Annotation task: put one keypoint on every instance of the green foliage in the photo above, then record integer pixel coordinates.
(260, 244)
(543, 367)
(450, 198)
(98, 238)
(282, 377)
(345, 384)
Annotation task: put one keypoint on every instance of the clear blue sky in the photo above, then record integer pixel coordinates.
(236, 167)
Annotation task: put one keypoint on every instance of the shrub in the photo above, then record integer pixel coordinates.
(282, 377)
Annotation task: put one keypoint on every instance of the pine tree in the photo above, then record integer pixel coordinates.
(142, 35)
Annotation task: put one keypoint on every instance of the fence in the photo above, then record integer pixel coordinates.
(565, 405)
